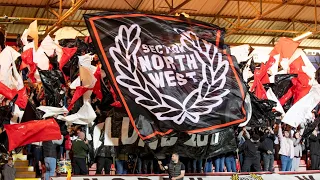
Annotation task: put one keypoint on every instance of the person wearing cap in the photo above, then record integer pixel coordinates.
(9, 172)
(175, 168)
(80, 151)
(251, 150)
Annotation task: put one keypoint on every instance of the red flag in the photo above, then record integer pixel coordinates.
(80, 90)
(286, 96)
(97, 86)
(22, 65)
(299, 89)
(261, 74)
(285, 47)
(87, 39)
(67, 54)
(260, 92)
(296, 66)
(32, 131)
(115, 103)
(301, 86)
(27, 58)
(22, 99)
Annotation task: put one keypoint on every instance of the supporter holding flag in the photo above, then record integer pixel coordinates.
(175, 168)
(268, 156)
(251, 150)
(286, 149)
(242, 137)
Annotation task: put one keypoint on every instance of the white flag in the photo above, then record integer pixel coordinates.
(297, 114)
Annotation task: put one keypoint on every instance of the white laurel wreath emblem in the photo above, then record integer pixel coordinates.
(199, 102)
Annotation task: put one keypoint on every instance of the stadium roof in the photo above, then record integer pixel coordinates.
(255, 22)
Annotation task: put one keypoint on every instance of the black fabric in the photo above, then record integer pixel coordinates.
(314, 144)
(53, 60)
(268, 142)
(107, 98)
(49, 149)
(6, 112)
(103, 163)
(52, 80)
(158, 105)
(199, 146)
(283, 84)
(4, 142)
(262, 114)
(71, 68)
(251, 162)
(80, 166)
(310, 128)
(32, 113)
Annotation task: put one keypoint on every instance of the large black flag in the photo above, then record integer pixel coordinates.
(170, 74)
(118, 135)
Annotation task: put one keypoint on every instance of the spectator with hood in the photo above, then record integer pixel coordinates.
(251, 150)
(268, 146)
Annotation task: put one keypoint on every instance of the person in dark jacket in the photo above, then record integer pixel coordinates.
(268, 146)
(104, 159)
(251, 149)
(50, 156)
(315, 149)
(80, 151)
(176, 169)
(9, 172)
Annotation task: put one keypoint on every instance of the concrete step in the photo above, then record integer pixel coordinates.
(24, 168)
(25, 174)
(21, 163)
(19, 157)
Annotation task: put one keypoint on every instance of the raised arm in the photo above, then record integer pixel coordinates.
(247, 134)
(280, 133)
(240, 135)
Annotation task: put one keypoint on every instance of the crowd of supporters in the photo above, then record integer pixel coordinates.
(258, 149)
